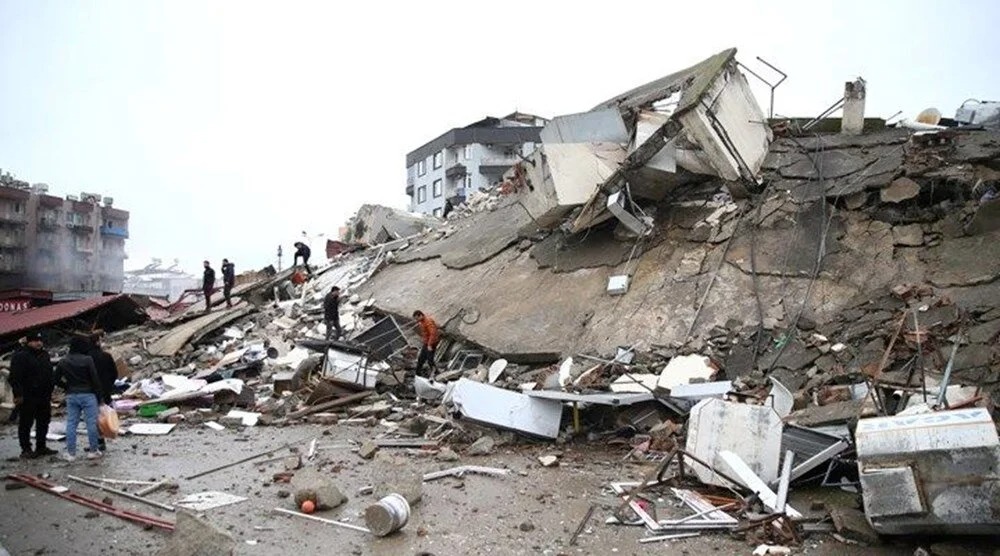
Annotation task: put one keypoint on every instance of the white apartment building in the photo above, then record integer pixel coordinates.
(463, 160)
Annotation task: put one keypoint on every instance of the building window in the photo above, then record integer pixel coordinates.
(422, 167)
(437, 212)
(438, 160)
(467, 152)
(421, 193)
(468, 183)
(438, 190)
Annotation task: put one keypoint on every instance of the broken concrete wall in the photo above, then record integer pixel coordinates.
(374, 224)
(535, 303)
(561, 176)
(728, 125)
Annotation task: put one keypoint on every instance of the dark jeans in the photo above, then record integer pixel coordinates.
(226, 291)
(37, 412)
(331, 325)
(305, 263)
(208, 299)
(426, 356)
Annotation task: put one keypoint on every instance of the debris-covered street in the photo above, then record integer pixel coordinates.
(533, 510)
(677, 322)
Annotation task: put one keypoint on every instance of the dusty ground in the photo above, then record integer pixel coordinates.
(533, 511)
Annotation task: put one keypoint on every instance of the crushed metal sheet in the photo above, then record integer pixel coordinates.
(506, 409)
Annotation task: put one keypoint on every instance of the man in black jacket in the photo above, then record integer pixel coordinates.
(32, 381)
(208, 284)
(331, 313)
(228, 280)
(107, 373)
(302, 250)
(77, 375)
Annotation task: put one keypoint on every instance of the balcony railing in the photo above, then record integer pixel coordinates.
(455, 171)
(13, 217)
(500, 160)
(115, 231)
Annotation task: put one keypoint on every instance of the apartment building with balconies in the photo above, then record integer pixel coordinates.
(63, 245)
(463, 160)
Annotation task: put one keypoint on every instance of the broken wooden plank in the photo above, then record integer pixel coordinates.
(346, 400)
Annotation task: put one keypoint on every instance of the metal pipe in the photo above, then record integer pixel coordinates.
(668, 537)
(322, 520)
(128, 495)
(942, 397)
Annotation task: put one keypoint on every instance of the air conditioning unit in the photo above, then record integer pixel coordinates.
(109, 201)
(92, 198)
(40, 188)
(73, 198)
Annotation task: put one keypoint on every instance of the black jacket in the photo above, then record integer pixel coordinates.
(228, 274)
(31, 374)
(303, 251)
(208, 279)
(331, 307)
(77, 374)
(107, 373)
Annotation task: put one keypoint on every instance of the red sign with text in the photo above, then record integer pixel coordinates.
(12, 305)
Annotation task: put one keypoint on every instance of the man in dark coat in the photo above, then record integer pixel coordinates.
(228, 280)
(31, 379)
(107, 372)
(331, 313)
(302, 250)
(208, 284)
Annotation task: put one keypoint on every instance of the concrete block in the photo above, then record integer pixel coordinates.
(194, 536)
(311, 484)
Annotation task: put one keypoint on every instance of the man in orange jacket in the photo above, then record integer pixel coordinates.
(430, 336)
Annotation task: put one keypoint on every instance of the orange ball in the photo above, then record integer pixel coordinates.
(308, 507)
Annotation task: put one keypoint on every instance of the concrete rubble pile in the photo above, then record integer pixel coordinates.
(746, 313)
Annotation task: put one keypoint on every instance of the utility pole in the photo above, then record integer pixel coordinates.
(279, 258)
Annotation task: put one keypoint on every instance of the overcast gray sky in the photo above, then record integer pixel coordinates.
(227, 128)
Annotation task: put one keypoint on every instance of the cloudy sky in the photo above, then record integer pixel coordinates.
(228, 128)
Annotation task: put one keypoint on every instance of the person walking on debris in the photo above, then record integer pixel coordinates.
(32, 381)
(302, 250)
(228, 281)
(331, 313)
(107, 373)
(208, 284)
(430, 336)
(77, 375)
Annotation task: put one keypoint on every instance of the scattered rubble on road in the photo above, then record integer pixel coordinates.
(802, 310)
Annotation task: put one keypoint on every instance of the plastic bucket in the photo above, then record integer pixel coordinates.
(388, 515)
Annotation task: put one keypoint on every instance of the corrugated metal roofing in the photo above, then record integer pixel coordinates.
(22, 321)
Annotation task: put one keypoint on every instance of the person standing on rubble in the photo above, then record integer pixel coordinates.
(32, 381)
(302, 250)
(107, 373)
(430, 336)
(77, 375)
(228, 281)
(208, 284)
(331, 313)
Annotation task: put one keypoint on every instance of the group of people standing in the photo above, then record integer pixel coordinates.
(228, 282)
(302, 251)
(87, 374)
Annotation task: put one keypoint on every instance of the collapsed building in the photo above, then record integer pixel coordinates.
(763, 305)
